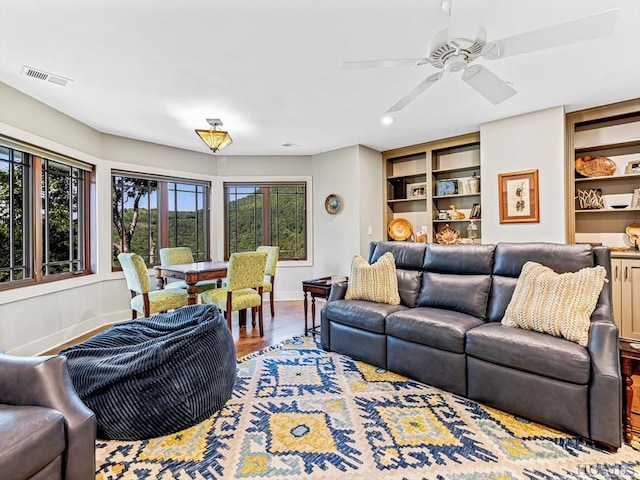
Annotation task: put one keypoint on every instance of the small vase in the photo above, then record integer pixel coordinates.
(474, 184)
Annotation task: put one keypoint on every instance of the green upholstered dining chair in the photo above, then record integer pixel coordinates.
(270, 271)
(177, 256)
(245, 277)
(143, 299)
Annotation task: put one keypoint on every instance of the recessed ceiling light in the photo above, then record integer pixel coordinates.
(387, 120)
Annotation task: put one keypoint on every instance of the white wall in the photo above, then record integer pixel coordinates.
(371, 199)
(526, 142)
(354, 173)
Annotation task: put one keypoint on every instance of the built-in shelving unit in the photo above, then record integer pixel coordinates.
(611, 131)
(411, 176)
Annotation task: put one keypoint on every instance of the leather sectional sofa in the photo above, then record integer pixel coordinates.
(447, 332)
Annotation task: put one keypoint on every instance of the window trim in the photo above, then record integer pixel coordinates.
(220, 223)
(35, 236)
(163, 204)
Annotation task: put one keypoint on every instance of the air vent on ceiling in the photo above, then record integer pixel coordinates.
(47, 77)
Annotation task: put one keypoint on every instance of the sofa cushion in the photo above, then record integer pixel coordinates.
(31, 438)
(511, 257)
(501, 292)
(408, 286)
(368, 316)
(433, 327)
(557, 304)
(461, 293)
(374, 283)
(530, 351)
(408, 255)
(461, 259)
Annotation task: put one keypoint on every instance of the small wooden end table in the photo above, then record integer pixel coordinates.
(317, 288)
(630, 366)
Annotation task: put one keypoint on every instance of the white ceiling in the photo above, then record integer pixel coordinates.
(154, 70)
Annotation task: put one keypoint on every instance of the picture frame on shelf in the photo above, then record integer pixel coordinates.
(475, 212)
(416, 190)
(519, 198)
(446, 187)
(633, 167)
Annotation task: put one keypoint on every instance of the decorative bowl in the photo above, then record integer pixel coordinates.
(448, 235)
(400, 229)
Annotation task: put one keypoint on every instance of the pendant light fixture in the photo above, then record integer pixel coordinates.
(214, 138)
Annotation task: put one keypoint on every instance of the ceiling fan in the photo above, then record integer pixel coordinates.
(453, 50)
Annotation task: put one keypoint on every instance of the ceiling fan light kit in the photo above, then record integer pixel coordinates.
(454, 53)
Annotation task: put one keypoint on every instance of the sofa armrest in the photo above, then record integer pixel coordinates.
(605, 392)
(338, 291)
(44, 381)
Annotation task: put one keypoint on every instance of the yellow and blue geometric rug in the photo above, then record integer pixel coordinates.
(301, 413)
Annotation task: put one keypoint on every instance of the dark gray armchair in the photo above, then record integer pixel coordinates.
(46, 432)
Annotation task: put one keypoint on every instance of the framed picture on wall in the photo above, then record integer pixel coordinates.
(519, 202)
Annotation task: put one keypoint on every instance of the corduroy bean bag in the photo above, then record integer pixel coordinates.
(155, 376)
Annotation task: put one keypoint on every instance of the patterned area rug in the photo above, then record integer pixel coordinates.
(299, 412)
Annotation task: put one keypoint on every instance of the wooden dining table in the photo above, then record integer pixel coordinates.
(191, 273)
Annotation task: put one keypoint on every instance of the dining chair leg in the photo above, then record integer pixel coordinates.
(253, 317)
(260, 323)
(271, 303)
(229, 311)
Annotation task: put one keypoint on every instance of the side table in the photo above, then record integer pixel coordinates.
(317, 288)
(630, 358)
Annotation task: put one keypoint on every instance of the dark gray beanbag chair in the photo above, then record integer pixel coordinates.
(155, 376)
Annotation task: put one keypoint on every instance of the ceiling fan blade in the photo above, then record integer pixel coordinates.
(487, 84)
(415, 93)
(395, 62)
(466, 18)
(585, 28)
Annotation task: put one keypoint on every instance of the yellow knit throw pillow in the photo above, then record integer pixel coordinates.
(557, 304)
(374, 283)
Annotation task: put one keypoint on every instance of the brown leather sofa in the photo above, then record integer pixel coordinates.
(46, 432)
(447, 332)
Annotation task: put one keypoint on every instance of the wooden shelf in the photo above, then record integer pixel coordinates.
(611, 178)
(454, 170)
(458, 221)
(400, 200)
(457, 195)
(608, 210)
(608, 146)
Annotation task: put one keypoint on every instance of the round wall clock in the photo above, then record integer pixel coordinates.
(332, 204)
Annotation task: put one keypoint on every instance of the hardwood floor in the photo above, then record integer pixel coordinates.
(288, 322)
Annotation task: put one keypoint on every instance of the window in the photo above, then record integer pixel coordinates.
(266, 214)
(151, 212)
(44, 215)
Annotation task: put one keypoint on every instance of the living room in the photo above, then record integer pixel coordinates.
(36, 318)
(118, 116)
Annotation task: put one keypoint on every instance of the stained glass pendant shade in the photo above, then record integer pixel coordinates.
(214, 138)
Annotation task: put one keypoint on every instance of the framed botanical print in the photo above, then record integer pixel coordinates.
(519, 202)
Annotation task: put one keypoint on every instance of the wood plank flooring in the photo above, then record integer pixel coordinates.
(288, 322)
